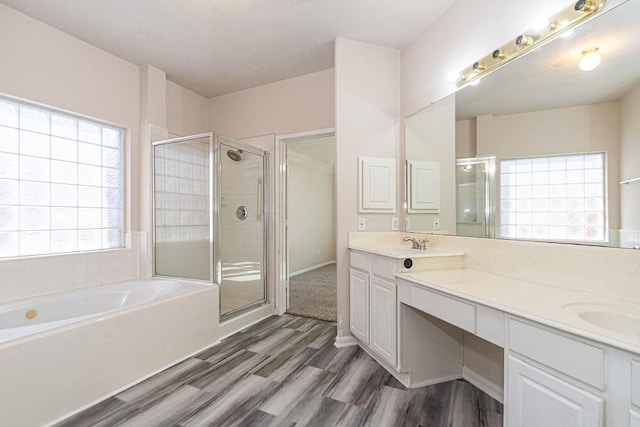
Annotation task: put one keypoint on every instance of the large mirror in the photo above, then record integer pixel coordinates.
(539, 149)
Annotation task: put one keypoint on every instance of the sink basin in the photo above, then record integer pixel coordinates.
(619, 319)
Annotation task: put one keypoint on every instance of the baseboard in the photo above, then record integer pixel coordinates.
(435, 381)
(313, 267)
(348, 341)
(244, 320)
(483, 384)
(403, 378)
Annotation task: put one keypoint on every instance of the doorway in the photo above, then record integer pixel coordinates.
(307, 193)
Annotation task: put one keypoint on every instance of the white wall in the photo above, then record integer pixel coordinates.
(630, 167)
(367, 124)
(310, 204)
(295, 105)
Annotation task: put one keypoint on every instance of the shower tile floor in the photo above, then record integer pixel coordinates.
(285, 371)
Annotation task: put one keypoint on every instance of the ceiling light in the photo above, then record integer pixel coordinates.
(590, 59)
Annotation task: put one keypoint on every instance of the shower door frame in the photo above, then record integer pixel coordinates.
(215, 169)
(217, 260)
(489, 180)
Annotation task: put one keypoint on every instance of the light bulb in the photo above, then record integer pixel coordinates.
(541, 22)
(590, 59)
(453, 76)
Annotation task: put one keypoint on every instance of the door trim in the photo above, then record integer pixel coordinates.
(281, 297)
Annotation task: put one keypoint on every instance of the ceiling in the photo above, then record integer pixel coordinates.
(549, 77)
(215, 47)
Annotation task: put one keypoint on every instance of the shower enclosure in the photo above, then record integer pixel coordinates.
(474, 197)
(209, 216)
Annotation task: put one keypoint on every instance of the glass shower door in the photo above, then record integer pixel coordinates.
(181, 207)
(474, 197)
(241, 221)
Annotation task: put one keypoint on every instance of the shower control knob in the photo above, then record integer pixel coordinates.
(242, 212)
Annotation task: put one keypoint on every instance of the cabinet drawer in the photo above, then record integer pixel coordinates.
(579, 360)
(360, 261)
(450, 310)
(383, 267)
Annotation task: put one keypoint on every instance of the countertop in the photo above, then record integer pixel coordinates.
(549, 305)
(404, 251)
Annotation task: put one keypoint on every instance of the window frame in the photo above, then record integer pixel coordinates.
(605, 200)
(124, 169)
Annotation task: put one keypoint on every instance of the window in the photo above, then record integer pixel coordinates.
(61, 182)
(553, 198)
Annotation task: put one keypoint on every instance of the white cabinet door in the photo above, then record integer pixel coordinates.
(383, 319)
(423, 181)
(536, 398)
(359, 304)
(377, 185)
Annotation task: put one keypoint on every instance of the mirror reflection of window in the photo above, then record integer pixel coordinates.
(558, 198)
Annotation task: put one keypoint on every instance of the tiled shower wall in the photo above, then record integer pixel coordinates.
(28, 277)
(241, 240)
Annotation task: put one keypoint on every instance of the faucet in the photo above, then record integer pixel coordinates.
(416, 244)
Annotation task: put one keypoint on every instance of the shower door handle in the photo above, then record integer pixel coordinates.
(259, 198)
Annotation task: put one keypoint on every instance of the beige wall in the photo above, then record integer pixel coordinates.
(44, 65)
(367, 124)
(582, 129)
(187, 112)
(630, 164)
(430, 135)
(295, 105)
(310, 204)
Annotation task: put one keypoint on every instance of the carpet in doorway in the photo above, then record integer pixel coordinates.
(313, 294)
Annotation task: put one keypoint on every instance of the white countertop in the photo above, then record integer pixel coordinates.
(404, 251)
(541, 303)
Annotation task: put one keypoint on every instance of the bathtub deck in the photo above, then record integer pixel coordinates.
(286, 371)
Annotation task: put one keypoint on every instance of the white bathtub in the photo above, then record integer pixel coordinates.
(76, 348)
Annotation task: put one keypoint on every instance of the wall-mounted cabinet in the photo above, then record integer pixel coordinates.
(377, 185)
(423, 186)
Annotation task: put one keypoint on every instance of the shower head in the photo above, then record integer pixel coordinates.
(234, 155)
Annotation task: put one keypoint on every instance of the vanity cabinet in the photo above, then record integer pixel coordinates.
(373, 304)
(538, 398)
(359, 304)
(384, 337)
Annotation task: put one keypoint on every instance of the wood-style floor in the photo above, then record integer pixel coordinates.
(285, 371)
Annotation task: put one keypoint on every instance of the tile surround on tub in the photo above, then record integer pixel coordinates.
(23, 278)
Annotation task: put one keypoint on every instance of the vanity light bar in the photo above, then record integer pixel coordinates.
(562, 21)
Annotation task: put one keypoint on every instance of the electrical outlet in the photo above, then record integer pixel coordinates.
(395, 223)
(436, 223)
(407, 224)
(361, 224)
